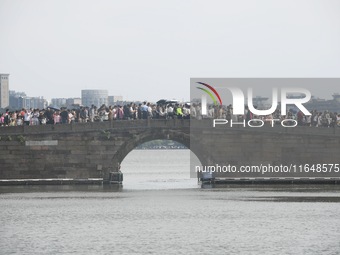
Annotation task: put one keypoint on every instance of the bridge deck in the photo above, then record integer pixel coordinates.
(160, 123)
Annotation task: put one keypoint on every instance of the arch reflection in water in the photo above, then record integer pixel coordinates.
(159, 164)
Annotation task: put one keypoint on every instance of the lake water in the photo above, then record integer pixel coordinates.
(160, 210)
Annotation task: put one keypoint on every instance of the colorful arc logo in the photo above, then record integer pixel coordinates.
(209, 92)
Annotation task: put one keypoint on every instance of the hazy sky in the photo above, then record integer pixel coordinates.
(149, 49)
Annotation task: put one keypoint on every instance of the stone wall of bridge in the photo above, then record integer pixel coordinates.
(92, 150)
(80, 150)
(268, 145)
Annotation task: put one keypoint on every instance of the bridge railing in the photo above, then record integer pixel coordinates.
(207, 124)
(160, 123)
(105, 125)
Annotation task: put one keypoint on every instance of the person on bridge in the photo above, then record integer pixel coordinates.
(27, 117)
(170, 111)
(179, 112)
(64, 116)
(92, 113)
(56, 117)
(49, 116)
(35, 118)
(133, 111)
(186, 111)
(120, 113)
(144, 110)
(150, 115)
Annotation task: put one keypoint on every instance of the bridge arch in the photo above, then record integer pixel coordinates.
(151, 135)
(94, 150)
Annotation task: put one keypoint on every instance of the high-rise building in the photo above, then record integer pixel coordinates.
(114, 99)
(69, 103)
(73, 102)
(14, 99)
(32, 103)
(19, 100)
(4, 91)
(58, 102)
(94, 97)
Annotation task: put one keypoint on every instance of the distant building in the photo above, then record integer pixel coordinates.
(114, 99)
(332, 105)
(14, 99)
(32, 102)
(94, 97)
(69, 103)
(19, 100)
(260, 102)
(73, 102)
(336, 97)
(58, 102)
(4, 91)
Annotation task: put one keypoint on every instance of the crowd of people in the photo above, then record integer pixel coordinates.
(83, 114)
(148, 110)
(317, 119)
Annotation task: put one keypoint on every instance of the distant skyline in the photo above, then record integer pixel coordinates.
(265, 95)
(148, 50)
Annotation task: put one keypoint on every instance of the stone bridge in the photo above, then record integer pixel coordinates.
(93, 150)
